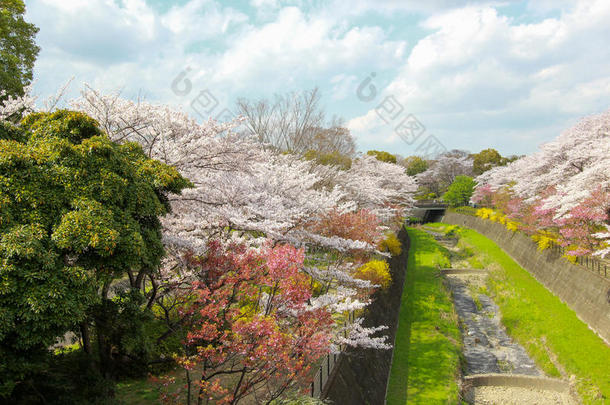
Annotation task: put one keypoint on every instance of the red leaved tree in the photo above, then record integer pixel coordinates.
(251, 332)
(360, 225)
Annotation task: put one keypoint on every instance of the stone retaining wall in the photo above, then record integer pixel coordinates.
(587, 293)
(361, 376)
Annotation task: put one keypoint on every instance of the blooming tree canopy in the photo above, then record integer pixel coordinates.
(443, 170)
(268, 242)
(563, 185)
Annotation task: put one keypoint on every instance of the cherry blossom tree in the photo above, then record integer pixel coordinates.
(242, 190)
(12, 107)
(568, 177)
(273, 219)
(381, 187)
(443, 170)
(583, 222)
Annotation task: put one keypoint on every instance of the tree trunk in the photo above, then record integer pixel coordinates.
(105, 354)
(86, 336)
(200, 396)
(188, 387)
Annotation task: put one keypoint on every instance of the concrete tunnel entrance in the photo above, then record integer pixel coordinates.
(429, 211)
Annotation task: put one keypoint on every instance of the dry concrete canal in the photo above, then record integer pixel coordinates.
(489, 350)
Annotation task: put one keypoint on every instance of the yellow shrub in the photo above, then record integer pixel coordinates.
(544, 241)
(571, 259)
(391, 244)
(451, 230)
(375, 271)
(494, 216)
(512, 226)
(498, 217)
(484, 213)
(317, 287)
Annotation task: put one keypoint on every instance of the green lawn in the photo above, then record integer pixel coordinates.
(546, 327)
(427, 351)
(137, 392)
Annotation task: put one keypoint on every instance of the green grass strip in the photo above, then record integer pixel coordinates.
(427, 349)
(546, 327)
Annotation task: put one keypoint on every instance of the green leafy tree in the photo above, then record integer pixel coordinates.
(510, 159)
(382, 155)
(485, 160)
(459, 191)
(18, 50)
(337, 159)
(77, 211)
(415, 165)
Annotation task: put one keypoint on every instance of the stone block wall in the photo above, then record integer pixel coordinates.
(361, 377)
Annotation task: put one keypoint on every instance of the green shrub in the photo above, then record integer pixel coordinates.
(382, 156)
(329, 159)
(465, 210)
(415, 165)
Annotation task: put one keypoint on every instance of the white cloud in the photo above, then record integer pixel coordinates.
(296, 46)
(343, 86)
(391, 7)
(473, 75)
(273, 4)
(201, 19)
(128, 44)
(480, 73)
(99, 31)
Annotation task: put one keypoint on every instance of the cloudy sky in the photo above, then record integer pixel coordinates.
(474, 74)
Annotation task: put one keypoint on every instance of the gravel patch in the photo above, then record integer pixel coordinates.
(517, 396)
